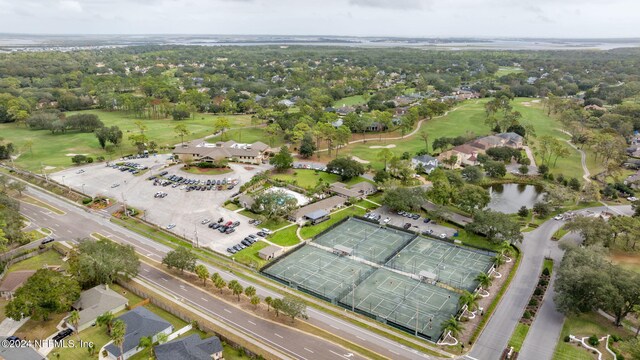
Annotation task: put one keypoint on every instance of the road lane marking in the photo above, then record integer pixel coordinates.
(251, 322)
(147, 270)
(335, 353)
(397, 353)
(227, 310)
(335, 327)
(57, 225)
(164, 279)
(360, 338)
(204, 299)
(308, 350)
(278, 335)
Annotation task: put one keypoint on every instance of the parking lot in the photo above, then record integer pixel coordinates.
(419, 225)
(184, 209)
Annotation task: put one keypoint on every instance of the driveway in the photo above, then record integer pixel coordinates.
(185, 210)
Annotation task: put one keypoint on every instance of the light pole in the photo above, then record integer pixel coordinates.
(83, 188)
(63, 176)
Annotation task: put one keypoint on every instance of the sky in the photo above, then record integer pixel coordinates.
(404, 18)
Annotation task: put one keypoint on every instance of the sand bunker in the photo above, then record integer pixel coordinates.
(390, 146)
(359, 160)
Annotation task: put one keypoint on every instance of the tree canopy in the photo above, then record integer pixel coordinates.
(102, 262)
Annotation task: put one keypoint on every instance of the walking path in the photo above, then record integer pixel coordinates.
(583, 158)
(9, 326)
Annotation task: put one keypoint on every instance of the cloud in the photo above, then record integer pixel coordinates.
(70, 5)
(391, 4)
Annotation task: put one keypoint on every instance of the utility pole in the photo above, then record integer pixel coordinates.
(195, 229)
(417, 313)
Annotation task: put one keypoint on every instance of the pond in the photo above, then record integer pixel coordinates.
(509, 198)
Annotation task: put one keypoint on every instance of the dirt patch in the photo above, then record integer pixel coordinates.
(49, 167)
(526, 103)
(72, 154)
(390, 146)
(629, 260)
(248, 168)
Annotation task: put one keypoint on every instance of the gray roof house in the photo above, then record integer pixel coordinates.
(140, 323)
(95, 302)
(19, 352)
(512, 139)
(428, 163)
(190, 348)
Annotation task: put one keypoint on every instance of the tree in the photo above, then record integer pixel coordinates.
(18, 186)
(182, 131)
(307, 146)
(452, 326)
(220, 284)
(523, 212)
(542, 209)
(405, 199)
(277, 305)
(484, 280)
(139, 141)
(425, 137)
(74, 319)
(268, 301)
(146, 343)
(470, 300)
(102, 262)
(294, 307)
(472, 174)
(118, 332)
(385, 155)
(272, 130)
(471, 198)
(220, 124)
(250, 291)
(44, 293)
(106, 319)
(103, 135)
(236, 288)
(347, 168)
(496, 226)
(495, 169)
(523, 169)
(202, 272)
(181, 111)
(141, 126)
(274, 204)
(181, 259)
(255, 300)
(282, 160)
(592, 230)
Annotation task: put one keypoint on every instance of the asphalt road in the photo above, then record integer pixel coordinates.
(80, 223)
(543, 335)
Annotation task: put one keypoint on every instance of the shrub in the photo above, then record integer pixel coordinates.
(523, 212)
(615, 338)
(567, 338)
(86, 201)
(533, 302)
(526, 315)
(538, 291)
(593, 340)
(546, 272)
(542, 282)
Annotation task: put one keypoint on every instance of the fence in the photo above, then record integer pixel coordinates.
(31, 253)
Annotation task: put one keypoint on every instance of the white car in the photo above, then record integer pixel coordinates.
(557, 217)
(632, 198)
(171, 226)
(386, 221)
(266, 231)
(79, 171)
(205, 221)
(442, 236)
(115, 185)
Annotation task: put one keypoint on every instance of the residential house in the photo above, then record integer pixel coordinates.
(270, 252)
(488, 142)
(341, 189)
(337, 123)
(594, 107)
(365, 188)
(376, 127)
(140, 322)
(428, 163)
(512, 140)
(286, 102)
(190, 348)
(468, 154)
(202, 151)
(95, 302)
(19, 352)
(633, 180)
(345, 110)
(13, 281)
(444, 157)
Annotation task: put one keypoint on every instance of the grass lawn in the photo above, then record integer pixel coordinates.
(3, 303)
(285, 237)
(50, 257)
(584, 325)
(33, 329)
(35, 235)
(52, 150)
(231, 206)
(471, 239)
(96, 334)
(308, 179)
(133, 298)
(559, 233)
(518, 336)
(548, 264)
(206, 171)
(350, 101)
(367, 204)
(308, 232)
(249, 256)
(248, 135)
(627, 260)
(36, 202)
(271, 224)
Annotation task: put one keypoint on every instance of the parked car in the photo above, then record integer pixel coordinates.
(236, 224)
(171, 226)
(62, 334)
(426, 220)
(205, 221)
(220, 220)
(47, 240)
(261, 234)
(229, 230)
(442, 236)
(222, 228)
(231, 250)
(415, 216)
(386, 220)
(246, 243)
(406, 226)
(266, 231)
(558, 217)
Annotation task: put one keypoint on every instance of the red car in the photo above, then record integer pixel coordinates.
(228, 224)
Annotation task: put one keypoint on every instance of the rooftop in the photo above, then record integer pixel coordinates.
(188, 348)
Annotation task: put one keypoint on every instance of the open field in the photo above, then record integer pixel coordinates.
(249, 256)
(50, 258)
(506, 70)
(285, 237)
(51, 150)
(350, 101)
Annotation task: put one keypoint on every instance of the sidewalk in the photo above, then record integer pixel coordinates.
(9, 326)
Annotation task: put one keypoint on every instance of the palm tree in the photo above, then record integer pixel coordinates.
(118, 331)
(484, 280)
(146, 342)
(268, 301)
(505, 249)
(250, 291)
(220, 284)
(106, 319)
(202, 272)
(162, 338)
(452, 325)
(255, 300)
(499, 260)
(470, 300)
(74, 318)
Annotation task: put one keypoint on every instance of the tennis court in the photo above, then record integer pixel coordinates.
(320, 272)
(369, 241)
(452, 265)
(396, 298)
